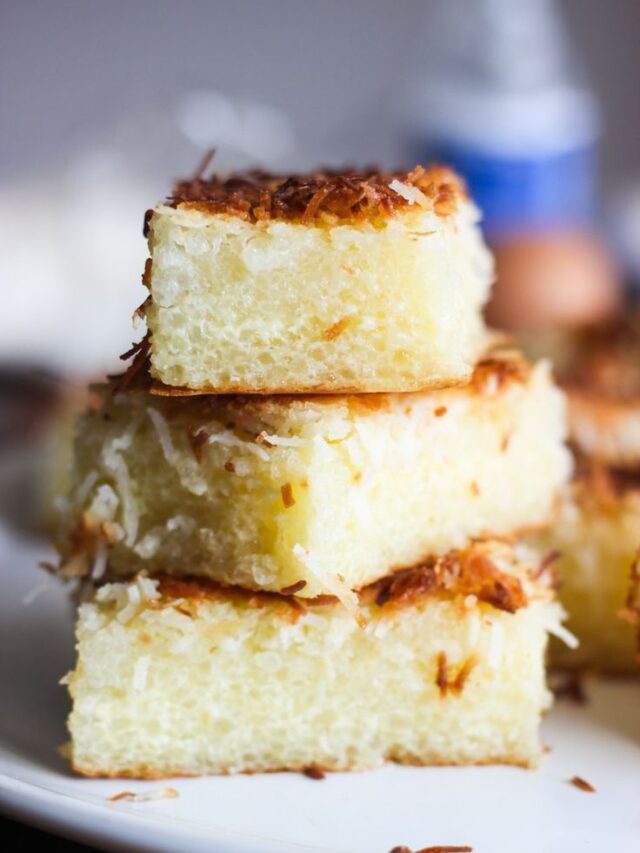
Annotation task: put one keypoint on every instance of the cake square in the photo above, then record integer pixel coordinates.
(316, 495)
(182, 677)
(330, 282)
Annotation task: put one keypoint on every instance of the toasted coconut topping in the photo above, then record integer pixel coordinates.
(465, 572)
(321, 197)
(145, 796)
(287, 495)
(606, 362)
(492, 374)
(450, 681)
(295, 587)
(499, 369)
(140, 364)
(198, 438)
(439, 848)
(459, 573)
(314, 772)
(446, 848)
(468, 574)
(582, 784)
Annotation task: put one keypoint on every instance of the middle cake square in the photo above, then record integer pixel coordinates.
(312, 495)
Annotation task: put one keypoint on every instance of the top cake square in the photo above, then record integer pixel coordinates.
(325, 283)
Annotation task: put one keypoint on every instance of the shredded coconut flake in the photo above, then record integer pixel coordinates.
(181, 522)
(109, 592)
(228, 439)
(115, 463)
(149, 544)
(334, 583)
(185, 469)
(148, 588)
(164, 435)
(280, 440)
(127, 613)
(100, 561)
(557, 629)
(410, 193)
(133, 593)
(128, 598)
(140, 671)
(145, 796)
(82, 492)
(104, 505)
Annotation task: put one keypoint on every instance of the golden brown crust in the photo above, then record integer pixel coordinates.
(78, 550)
(327, 197)
(463, 572)
(460, 573)
(496, 370)
(305, 392)
(143, 773)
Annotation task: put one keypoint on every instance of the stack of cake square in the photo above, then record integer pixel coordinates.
(295, 508)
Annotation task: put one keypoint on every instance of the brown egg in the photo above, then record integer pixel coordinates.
(556, 280)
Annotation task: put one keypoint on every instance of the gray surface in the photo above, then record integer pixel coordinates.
(68, 68)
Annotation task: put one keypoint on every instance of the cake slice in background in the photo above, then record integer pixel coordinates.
(601, 375)
(631, 612)
(597, 531)
(596, 535)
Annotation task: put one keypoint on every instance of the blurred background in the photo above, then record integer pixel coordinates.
(103, 104)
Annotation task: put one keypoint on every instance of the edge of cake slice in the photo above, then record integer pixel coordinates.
(596, 536)
(601, 376)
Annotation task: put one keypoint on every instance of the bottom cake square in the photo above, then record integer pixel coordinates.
(446, 666)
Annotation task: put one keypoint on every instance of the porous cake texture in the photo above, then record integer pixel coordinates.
(312, 495)
(596, 535)
(320, 283)
(184, 677)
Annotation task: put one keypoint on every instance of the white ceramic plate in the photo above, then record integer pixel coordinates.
(492, 809)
